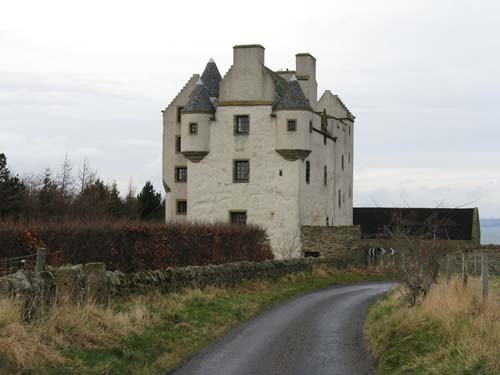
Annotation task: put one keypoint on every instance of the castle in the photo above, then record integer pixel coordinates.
(257, 146)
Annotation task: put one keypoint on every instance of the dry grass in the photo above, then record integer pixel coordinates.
(24, 347)
(448, 332)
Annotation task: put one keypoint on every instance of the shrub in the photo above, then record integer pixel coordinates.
(135, 247)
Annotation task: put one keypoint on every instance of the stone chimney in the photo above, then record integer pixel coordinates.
(248, 56)
(305, 66)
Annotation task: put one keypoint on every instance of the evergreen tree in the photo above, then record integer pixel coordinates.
(12, 191)
(149, 203)
(49, 197)
(116, 207)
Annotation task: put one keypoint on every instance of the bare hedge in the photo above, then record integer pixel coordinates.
(136, 247)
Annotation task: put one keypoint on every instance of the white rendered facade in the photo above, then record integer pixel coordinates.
(277, 195)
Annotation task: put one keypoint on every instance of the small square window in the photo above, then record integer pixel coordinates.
(178, 144)
(241, 124)
(238, 217)
(193, 128)
(179, 113)
(241, 171)
(292, 125)
(181, 174)
(182, 207)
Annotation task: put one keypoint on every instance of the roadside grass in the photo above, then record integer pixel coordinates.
(144, 334)
(448, 332)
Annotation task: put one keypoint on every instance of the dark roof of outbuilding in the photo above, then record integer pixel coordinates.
(293, 97)
(449, 223)
(199, 100)
(211, 78)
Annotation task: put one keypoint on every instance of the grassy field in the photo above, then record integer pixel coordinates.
(147, 334)
(449, 332)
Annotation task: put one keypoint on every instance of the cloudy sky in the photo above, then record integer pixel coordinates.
(89, 78)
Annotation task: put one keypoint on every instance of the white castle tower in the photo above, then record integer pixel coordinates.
(258, 147)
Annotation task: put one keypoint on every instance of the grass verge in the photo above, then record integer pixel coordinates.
(449, 332)
(147, 334)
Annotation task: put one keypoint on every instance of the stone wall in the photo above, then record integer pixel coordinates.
(224, 275)
(330, 241)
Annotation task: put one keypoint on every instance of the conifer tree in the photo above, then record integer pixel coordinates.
(149, 203)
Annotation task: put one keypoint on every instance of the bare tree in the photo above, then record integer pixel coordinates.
(86, 176)
(65, 178)
(418, 256)
(288, 245)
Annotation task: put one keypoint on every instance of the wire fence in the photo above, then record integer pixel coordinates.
(479, 271)
(32, 262)
(13, 264)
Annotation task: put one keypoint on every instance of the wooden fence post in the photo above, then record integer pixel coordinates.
(41, 255)
(448, 269)
(465, 275)
(484, 277)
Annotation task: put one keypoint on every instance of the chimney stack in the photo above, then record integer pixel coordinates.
(248, 56)
(305, 66)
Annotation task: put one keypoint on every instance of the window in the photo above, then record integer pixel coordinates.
(339, 198)
(325, 176)
(324, 139)
(308, 171)
(178, 143)
(342, 162)
(327, 221)
(181, 207)
(238, 217)
(241, 124)
(292, 125)
(310, 126)
(180, 174)
(349, 130)
(193, 128)
(241, 171)
(179, 113)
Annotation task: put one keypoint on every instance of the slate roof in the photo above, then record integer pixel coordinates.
(211, 78)
(293, 97)
(199, 100)
(451, 223)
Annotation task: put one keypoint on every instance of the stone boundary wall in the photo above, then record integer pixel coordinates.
(331, 241)
(91, 282)
(224, 275)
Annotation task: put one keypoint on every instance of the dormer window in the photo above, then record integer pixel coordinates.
(241, 124)
(193, 128)
(292, 125)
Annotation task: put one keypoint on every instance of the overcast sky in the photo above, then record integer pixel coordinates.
(89, 79)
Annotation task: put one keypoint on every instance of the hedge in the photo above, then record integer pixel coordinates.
(137, 247)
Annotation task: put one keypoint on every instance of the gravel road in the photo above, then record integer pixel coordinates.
(316, 333)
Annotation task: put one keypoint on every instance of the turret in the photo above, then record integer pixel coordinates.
(211, 79)
(195, 124)
(293, 123)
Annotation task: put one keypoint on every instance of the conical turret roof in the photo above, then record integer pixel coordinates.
(211, 78)
(293, 97)
(199, 101)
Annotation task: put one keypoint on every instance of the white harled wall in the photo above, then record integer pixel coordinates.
(269, 199)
